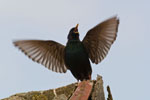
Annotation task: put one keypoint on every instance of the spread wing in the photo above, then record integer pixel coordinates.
(48, 53)
(99, 39)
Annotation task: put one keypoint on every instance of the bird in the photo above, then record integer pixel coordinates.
(76, 55)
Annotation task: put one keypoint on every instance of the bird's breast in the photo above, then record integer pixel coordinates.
(77, 60)
(75, 53)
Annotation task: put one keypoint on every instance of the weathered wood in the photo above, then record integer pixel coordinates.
(98, 91)
(83, 91)
(61, 93)
(89, 90)
(109, 94)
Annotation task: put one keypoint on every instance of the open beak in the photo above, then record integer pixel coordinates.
(76, 29)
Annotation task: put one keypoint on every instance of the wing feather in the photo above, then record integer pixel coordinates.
(99, 39)
(48, 53)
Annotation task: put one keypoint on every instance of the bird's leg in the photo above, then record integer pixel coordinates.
(89, 77)
(77, 82)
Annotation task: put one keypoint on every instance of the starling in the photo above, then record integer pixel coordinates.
(76, 55)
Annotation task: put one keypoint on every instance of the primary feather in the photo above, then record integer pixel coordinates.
(48, 53)
(99, 39)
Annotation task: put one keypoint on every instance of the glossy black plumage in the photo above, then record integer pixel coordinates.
(76, 54)
(77, 60)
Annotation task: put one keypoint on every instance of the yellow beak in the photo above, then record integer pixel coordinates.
(76, 29)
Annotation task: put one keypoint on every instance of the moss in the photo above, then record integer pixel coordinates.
(60, 97)
(39, 97)
(49, 94)
(63, 93)
(29, 95)
(67, 90)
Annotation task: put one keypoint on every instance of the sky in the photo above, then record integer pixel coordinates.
(126, 68)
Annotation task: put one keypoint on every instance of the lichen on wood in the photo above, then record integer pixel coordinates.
(64, 93)
(46, 95)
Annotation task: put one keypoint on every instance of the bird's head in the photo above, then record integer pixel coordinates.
(74, 34)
